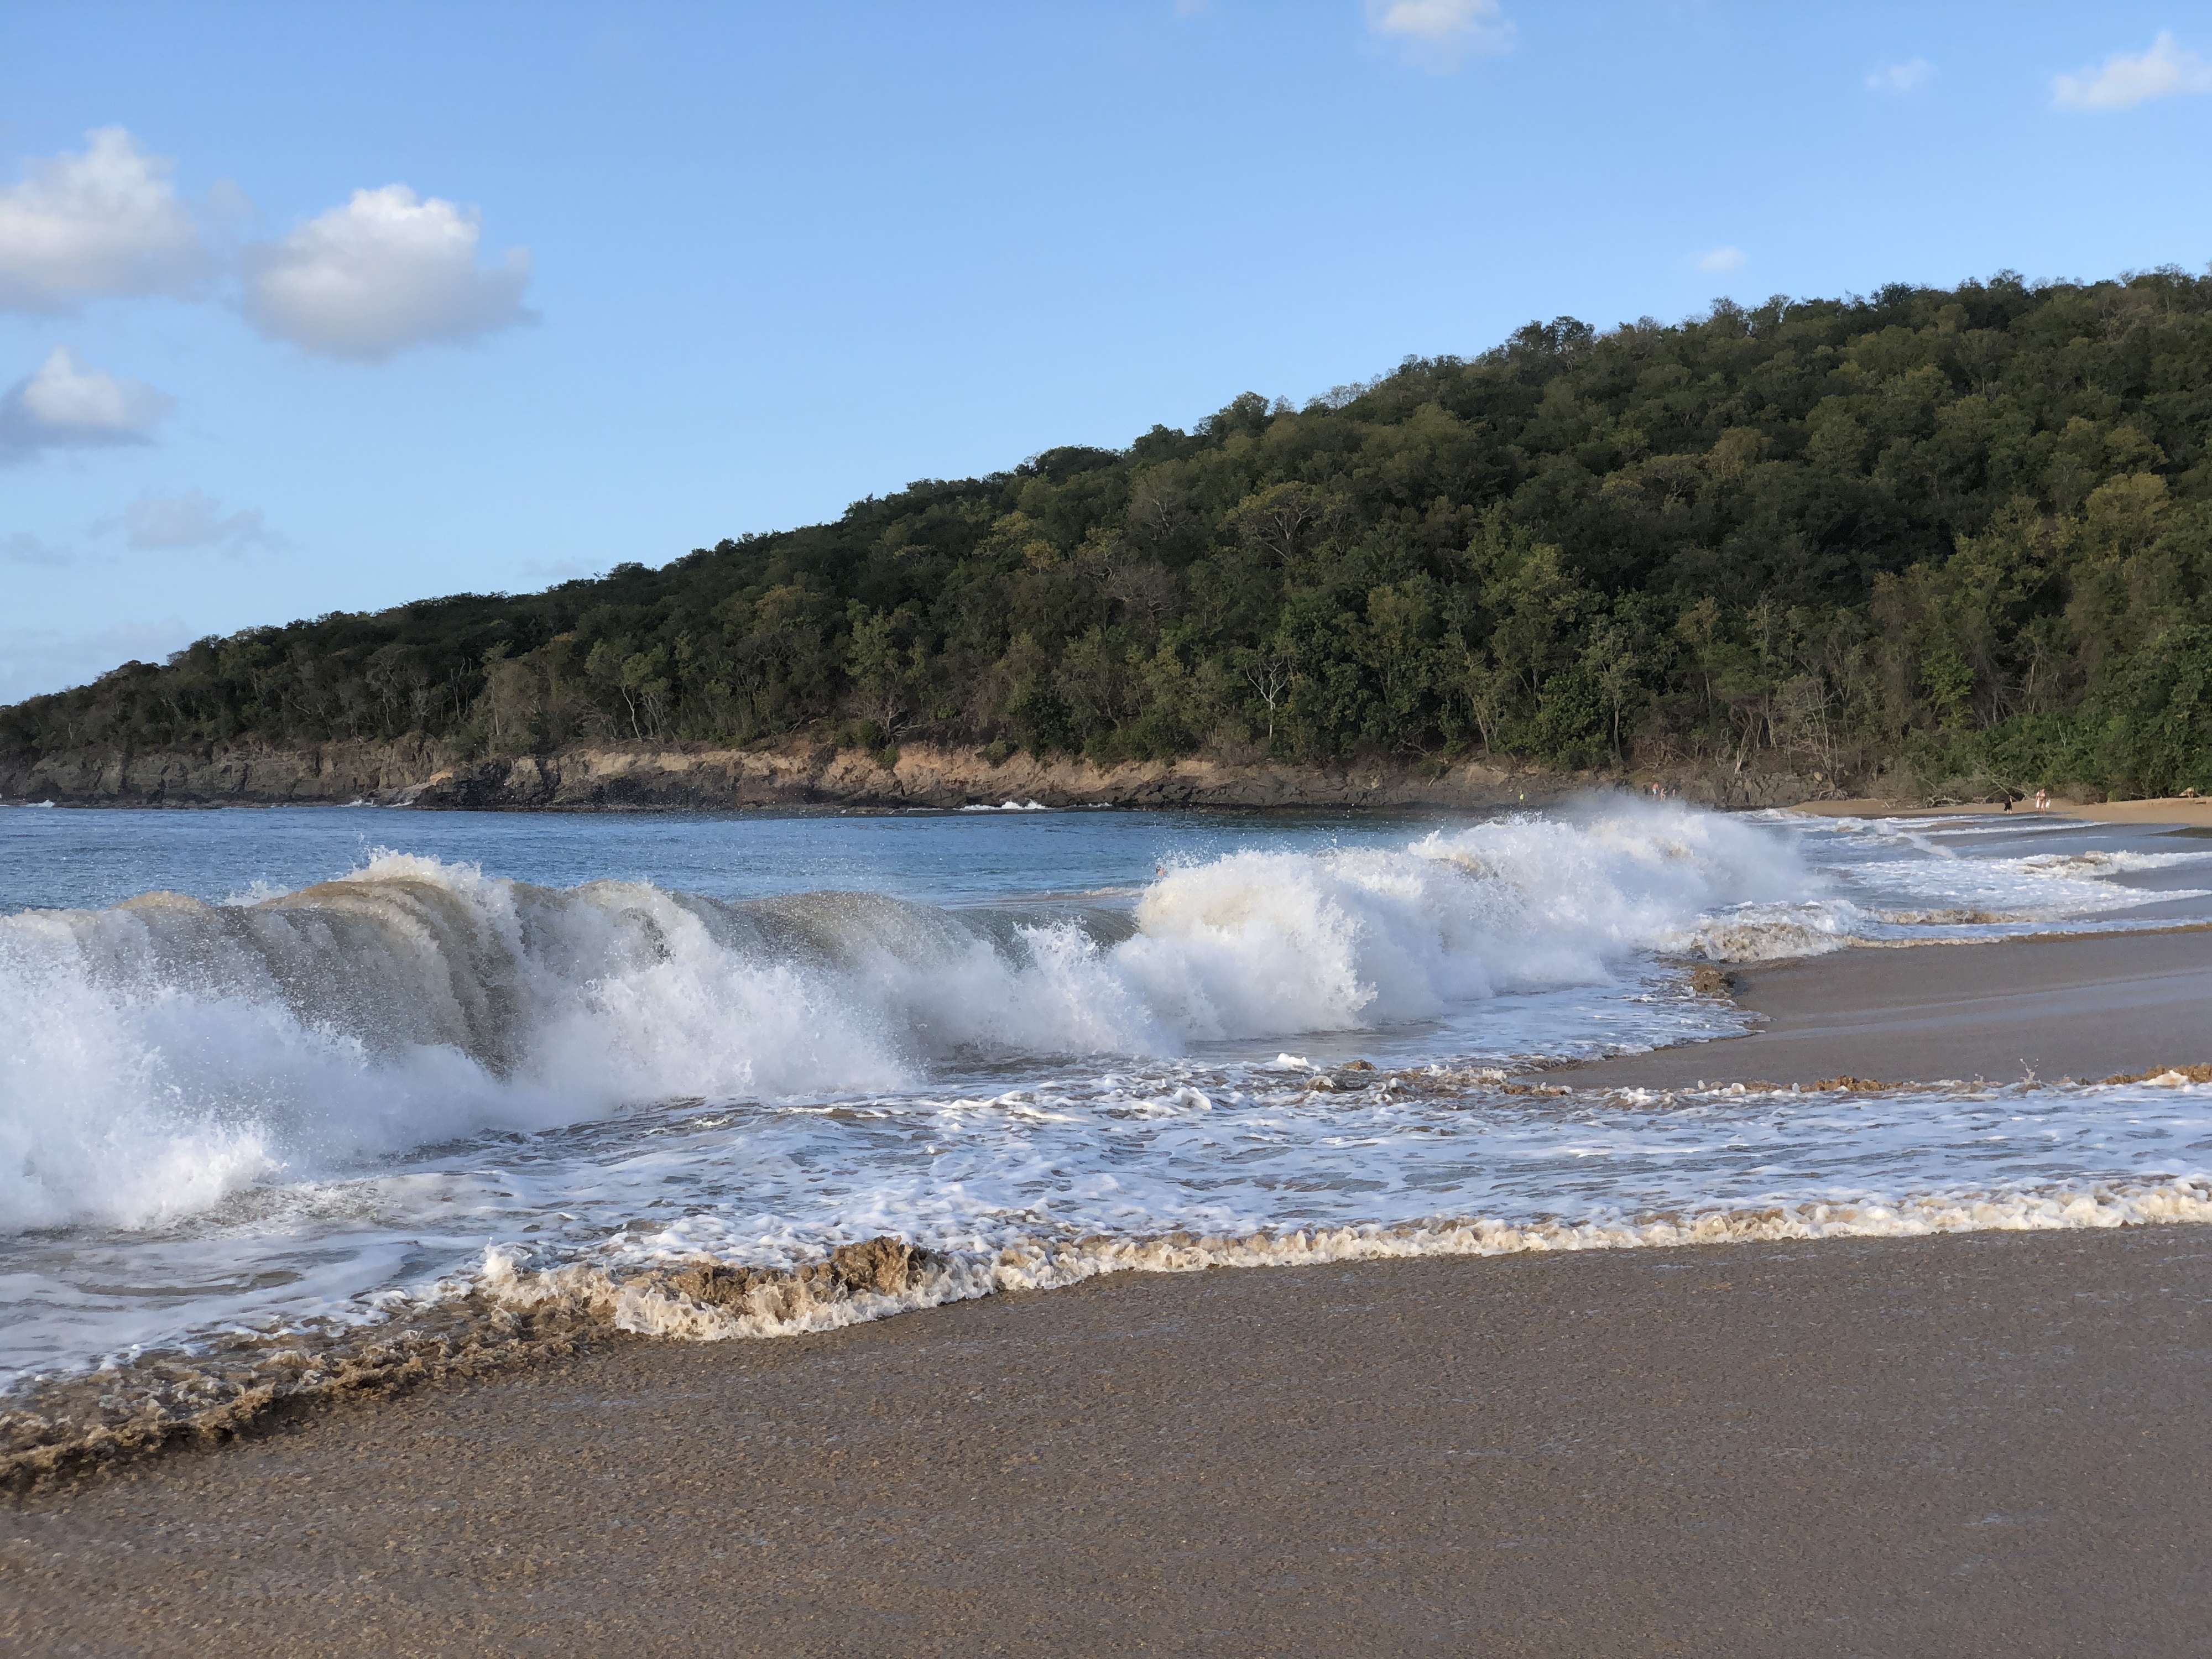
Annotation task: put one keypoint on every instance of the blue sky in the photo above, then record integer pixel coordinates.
(312, 309)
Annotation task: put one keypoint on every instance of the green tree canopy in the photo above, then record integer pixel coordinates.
(1969, 529)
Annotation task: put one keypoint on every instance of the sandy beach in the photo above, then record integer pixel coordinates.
(1976, 1444)
(2085, 1007)
(1984, 1444)
(2180, 810)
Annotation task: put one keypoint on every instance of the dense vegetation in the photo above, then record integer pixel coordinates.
(1966, 531)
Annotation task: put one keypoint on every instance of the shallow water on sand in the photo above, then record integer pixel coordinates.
(264, 1069)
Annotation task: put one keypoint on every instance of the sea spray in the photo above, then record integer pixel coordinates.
(166, 1052)
(263, 1144)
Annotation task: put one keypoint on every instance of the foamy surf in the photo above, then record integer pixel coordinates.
(166, 1052)
(519, 1302)
(687, 1303)
(290, 1123)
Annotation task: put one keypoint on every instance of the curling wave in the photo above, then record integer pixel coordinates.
(161, 1054)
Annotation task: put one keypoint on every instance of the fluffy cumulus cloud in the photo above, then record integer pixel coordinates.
(385, 271)
(1902, 80)
(105, 220)
(1441, 34)
(194, 519)
(1718, 261)
(65, 404)
(2125, 79)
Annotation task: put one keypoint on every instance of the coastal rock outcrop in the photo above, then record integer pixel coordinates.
(616, 777)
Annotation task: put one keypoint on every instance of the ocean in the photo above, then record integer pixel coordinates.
(288, 1076)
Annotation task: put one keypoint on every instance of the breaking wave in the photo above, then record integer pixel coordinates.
(160, 1054)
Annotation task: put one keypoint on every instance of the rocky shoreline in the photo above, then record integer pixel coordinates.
(611, 777)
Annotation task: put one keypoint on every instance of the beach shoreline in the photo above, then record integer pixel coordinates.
(2085, 1007)
(2180, 811)
(1978, 1443)
(1974, 1440)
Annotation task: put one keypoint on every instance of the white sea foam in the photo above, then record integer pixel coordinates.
(165, 1052)
(643, 1303)
(1229, 1154)
(285, 1105)
(1920, 879)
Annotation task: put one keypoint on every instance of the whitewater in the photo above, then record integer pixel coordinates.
(264, 1073)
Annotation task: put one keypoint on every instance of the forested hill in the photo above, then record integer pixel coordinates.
(1969, 531)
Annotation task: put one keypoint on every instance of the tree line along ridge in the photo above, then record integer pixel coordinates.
(1962, 533)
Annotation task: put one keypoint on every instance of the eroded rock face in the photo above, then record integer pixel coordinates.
(246, 774)
(640, 777)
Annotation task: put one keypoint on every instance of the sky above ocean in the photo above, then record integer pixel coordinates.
(317, 308)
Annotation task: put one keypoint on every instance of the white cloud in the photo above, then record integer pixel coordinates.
(68, 404)
(2123, 82)
(382, 273)
(1902, 80)
(194, 519)
(103, 220)
(1442, 34)
(1719, 261)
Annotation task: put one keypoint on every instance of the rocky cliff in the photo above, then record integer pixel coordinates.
(611, 777)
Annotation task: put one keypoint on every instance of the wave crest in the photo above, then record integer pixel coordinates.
(165, 1052)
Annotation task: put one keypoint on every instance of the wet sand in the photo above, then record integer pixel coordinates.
(2183, 810)
(2083, 1007)
(1984, 1444)
(2177, 809)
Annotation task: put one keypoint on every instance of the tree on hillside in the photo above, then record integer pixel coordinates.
(1967, 530)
